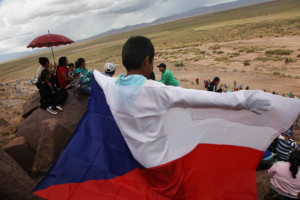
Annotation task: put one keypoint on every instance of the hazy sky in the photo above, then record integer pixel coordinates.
(23, 20)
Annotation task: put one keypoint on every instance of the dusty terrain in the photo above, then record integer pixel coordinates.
(225, 60)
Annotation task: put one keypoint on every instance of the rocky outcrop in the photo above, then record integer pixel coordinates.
(54, 136)
(73, 109)
(15, 183)
(31, 104)
(21, 152)
(39, 141)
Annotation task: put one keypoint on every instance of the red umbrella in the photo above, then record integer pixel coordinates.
(49, 40)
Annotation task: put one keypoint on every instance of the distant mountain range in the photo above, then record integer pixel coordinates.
(191, 13)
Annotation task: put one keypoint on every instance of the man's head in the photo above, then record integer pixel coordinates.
(44, 61)
(138, 54)
(216, 80)
(162, 67)
(110, 68)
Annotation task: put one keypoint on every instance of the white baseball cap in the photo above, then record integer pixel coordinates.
(110, 67)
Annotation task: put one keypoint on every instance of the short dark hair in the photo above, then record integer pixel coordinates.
(62, 60)
(42, 77)
(216, 79)
(43, 60)
(162, 65)
(79, 62)
(135, 50)
(71, 65)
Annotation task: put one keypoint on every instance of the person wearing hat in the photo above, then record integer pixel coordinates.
(109, 69)
(286, 145)
(167, 77)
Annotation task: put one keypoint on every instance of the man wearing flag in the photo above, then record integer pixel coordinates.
(152, 141)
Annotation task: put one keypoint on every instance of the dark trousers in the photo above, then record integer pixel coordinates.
(56, 100)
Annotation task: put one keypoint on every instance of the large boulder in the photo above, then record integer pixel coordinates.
(21, 152)
(73, 109)
(15, 183)
(4, 141)
(54, 136)
(31, 104)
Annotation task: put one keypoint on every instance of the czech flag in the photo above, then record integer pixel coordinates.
(164, 142)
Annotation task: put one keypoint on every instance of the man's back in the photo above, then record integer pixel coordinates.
(168, 78)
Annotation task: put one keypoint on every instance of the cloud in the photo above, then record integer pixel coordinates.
(23, 20)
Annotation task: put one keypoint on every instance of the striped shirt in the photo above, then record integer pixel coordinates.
(284, 148)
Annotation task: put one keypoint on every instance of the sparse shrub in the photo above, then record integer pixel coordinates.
(263, 59)
(178, 64)
(222, 59)
(220, 52)
(298, 56)
(291, 60)
(278, 52)
(276, 73)
(235, 54)
(249, 50)
(246, 62)
(215, 47)
(196, 58)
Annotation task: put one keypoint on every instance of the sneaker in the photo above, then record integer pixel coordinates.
(51, 110)
(58, 107)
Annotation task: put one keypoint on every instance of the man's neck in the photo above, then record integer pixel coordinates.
(136, 72)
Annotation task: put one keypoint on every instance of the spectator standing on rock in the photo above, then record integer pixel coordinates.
(214, 84)
(234, 84)
(167, 76)
(51, 99)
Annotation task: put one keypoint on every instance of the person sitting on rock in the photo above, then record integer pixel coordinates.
(286, 145)
(285, 178)
(62, 73)
(45, 64)
(85, 76)
(51, 99)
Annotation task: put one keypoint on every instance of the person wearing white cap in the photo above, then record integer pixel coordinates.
(110, 69)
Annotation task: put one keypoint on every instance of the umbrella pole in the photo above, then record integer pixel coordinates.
(52, 53)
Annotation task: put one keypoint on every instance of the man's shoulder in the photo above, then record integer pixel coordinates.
(152, 83)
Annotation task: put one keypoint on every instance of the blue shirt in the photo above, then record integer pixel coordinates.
(131, 80)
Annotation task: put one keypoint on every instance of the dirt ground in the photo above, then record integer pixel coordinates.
(270, 75)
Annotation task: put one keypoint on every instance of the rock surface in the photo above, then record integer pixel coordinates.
(15, 184)
(73, 109)
(54, 136)
(39, 140)
(21, 152)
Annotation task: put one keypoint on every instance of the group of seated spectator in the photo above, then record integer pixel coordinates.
(54, 80)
